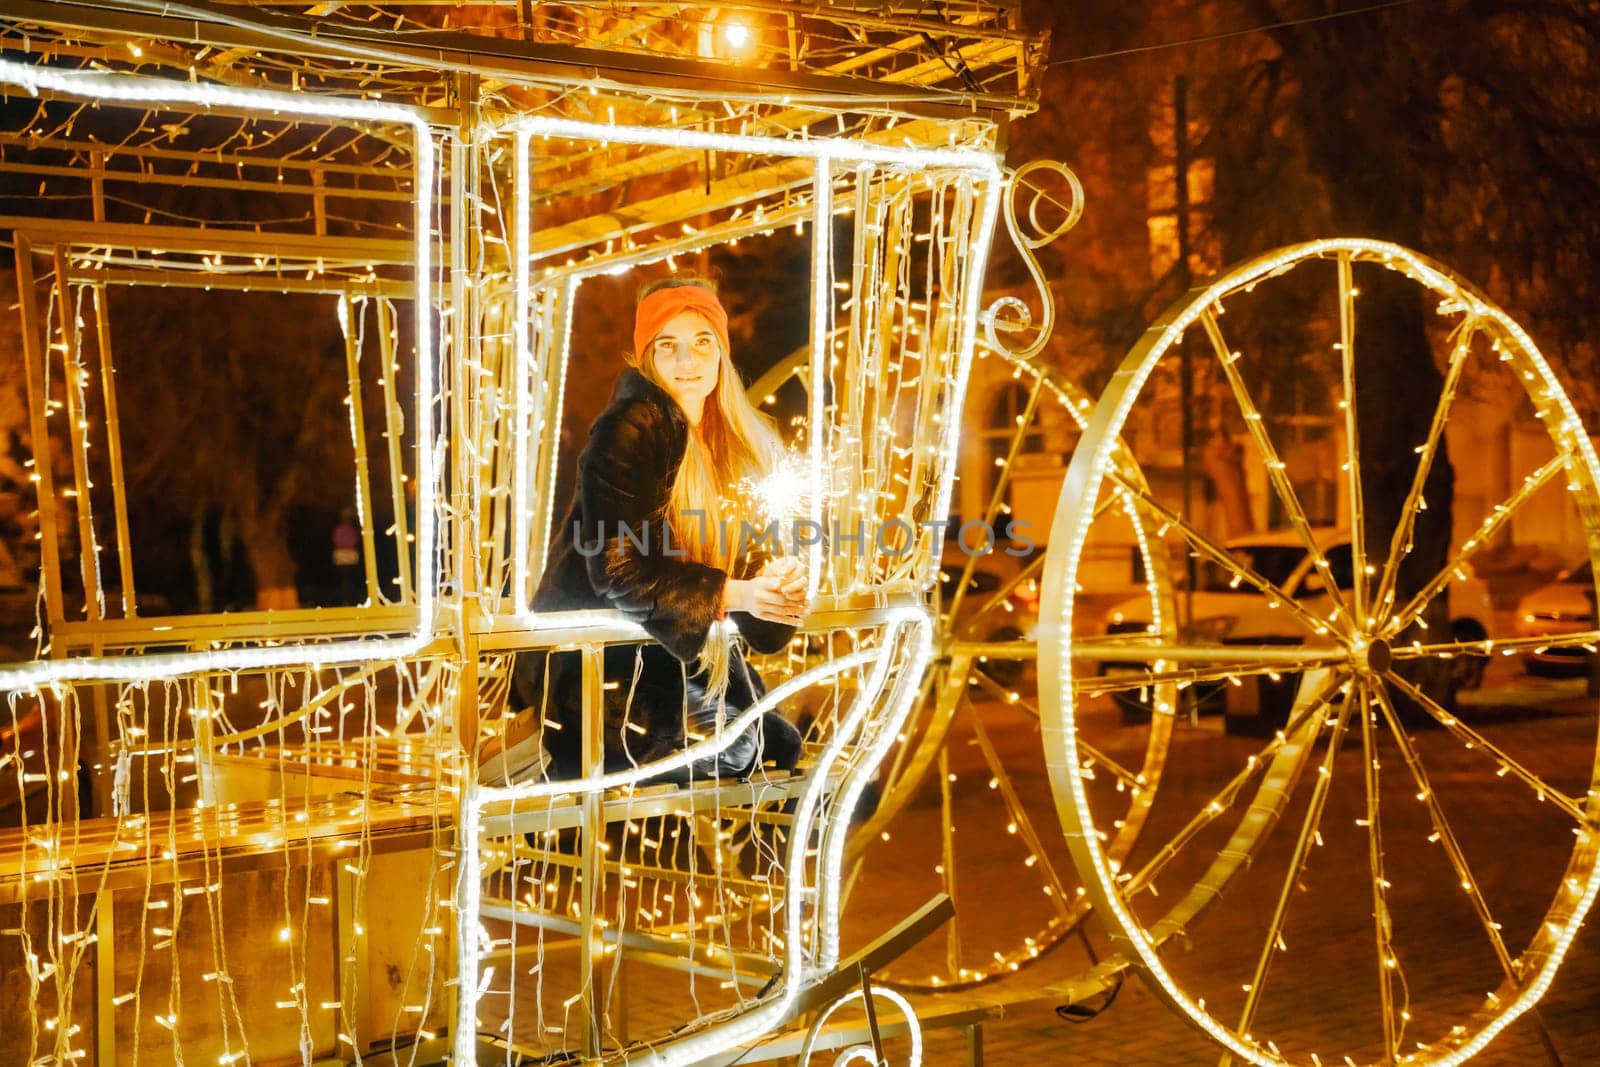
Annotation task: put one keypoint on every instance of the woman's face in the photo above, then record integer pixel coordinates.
(687, 356)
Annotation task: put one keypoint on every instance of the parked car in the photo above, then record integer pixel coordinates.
(1225, 611)
(1564, 606)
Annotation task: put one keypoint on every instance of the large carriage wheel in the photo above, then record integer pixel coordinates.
(960, 797)
(1386, 882)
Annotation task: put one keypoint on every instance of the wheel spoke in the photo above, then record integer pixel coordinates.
(1498, 517)
(1222, 557)
(1034, 567)
(915, 755)
(1388, 963)
(1444, 832)
(1009, 697)
(1283, 656)
(1400, 542)
(1264, 811)
(1223, 799)
(1542, 790)
(1130, 493)
(1019, 816)
(1112, 500)
(947, 869)
(1128, 777)
(1081, 646)
(1124, 682)
(909, 731)
(1277, 473)
(1018, 434)
(1585, 639)
(1134, 782)
(1309, 835)
(954, 608)
(1352, 447)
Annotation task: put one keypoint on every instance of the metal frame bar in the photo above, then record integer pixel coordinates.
(99, 174)
(504, 819)
(119, 496)
(78, 434)
(234, 626)
(43, 478)
(394, 425)
(199, 22)
(358, 441)
(695, 958)
(414, 829)
(305, 247)
(591, 949)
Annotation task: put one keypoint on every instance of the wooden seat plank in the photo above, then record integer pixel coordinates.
(153, 845)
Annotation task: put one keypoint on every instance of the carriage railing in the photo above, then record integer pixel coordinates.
(270, 873)
(759, 853)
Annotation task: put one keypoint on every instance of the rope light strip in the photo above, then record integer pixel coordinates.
(134, 89)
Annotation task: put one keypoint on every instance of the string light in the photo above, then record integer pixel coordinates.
(1092, 466)
(979, 167)
(31, 678)
(861, 737)
(134, 89)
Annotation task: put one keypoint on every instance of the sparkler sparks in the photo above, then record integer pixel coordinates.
(782, 494)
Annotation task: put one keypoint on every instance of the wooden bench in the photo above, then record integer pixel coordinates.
(163, 847)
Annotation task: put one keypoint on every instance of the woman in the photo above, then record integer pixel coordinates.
(652, 532)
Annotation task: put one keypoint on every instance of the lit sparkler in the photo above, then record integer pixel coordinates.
(782, 493)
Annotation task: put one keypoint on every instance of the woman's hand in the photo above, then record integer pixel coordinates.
(790, 570)
(777, 594)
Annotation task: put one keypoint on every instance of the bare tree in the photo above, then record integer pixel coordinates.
(233, 414)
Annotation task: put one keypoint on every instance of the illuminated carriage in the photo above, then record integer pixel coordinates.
(281, 825)
(280, 818)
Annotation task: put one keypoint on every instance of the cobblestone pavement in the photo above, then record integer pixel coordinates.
(1321, 993)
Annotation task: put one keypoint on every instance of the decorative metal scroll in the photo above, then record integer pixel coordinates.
(1010, 314)
(866, 1052)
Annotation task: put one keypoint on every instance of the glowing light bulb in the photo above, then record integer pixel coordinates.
(737, 36)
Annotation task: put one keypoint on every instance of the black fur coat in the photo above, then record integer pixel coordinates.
(624, 476)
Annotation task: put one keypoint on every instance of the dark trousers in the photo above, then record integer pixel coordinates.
(771, 741)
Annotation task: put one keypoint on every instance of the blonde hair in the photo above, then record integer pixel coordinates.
(733, 445)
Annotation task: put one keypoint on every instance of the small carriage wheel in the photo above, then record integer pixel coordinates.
(980, 693)
(1369, 670)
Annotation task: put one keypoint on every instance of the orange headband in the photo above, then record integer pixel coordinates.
(664, 305)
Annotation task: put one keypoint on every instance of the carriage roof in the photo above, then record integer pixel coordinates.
(873, 72)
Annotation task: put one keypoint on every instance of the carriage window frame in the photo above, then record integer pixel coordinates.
(265, 637)
(70, 242)
(830, 158)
